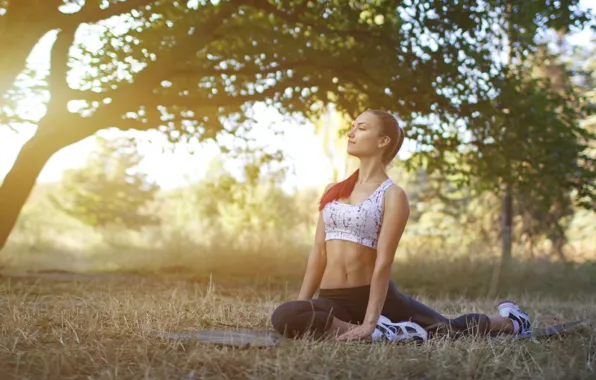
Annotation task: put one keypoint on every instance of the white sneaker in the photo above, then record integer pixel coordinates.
(398, 331)
(509, 309)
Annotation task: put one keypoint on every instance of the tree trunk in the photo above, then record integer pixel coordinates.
(506, 229)
(507, 205)
(506, 241)
(34, 155)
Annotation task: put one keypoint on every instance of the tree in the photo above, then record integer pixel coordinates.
(108, 191)
(563, 70)
(193, 71)
(525, 137)
(245, 210)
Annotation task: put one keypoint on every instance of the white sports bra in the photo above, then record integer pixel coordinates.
(359, 223)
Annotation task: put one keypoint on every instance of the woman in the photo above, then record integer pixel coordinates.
(360, 225)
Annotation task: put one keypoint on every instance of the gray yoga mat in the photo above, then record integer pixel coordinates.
(236, 338)
(270, 338)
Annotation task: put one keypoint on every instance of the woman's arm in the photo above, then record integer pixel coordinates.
(395, 217)
(317, 261)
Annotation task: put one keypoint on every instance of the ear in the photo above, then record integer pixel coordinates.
(385, 140)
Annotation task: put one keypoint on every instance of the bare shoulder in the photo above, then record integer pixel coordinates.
(396, 198)
(395, 191)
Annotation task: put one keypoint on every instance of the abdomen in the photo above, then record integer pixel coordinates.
(348, 265)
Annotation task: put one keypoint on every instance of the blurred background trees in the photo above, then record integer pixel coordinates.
(108, 193)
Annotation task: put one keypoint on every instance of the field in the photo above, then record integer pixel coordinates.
(102, 322)
(102, 327)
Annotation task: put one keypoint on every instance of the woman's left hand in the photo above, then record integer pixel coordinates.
(360, 332)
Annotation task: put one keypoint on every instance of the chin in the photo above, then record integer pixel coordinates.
(352, 152)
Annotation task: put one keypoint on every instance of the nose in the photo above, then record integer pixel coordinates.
(351, 133)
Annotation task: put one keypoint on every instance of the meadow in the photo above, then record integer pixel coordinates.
(103, 327)
(79, 304)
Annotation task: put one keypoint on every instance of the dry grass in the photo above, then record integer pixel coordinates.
(102, 328)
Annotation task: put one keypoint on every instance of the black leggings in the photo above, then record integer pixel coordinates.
(314, 317)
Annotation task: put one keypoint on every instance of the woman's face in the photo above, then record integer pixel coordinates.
(366, 138)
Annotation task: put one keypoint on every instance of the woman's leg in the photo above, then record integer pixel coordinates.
(400, 307)
(500, 324)
(316, 317)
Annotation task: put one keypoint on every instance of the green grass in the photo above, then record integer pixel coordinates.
(100, 327)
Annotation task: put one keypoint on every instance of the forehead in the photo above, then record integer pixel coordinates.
(367, 118)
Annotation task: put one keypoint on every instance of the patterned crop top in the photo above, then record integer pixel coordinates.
(359, 223)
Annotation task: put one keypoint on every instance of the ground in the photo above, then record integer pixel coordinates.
(62, 327)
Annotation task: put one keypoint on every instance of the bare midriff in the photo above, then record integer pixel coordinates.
(348, 265)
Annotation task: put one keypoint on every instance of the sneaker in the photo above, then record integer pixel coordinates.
(509, 309)
(399, 331)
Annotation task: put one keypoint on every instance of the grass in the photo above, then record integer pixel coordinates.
(422, 272)
(101, 327)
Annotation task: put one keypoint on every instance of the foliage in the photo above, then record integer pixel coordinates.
(533, 141)
(565, 70)
(192, 67)
(108, 191)
(526, 136)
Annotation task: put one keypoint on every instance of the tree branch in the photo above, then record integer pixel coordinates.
(129, 97)
(147, 81)
(59, 55)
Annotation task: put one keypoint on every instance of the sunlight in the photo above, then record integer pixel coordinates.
(174, 166)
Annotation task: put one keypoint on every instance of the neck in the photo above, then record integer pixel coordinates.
(371, 170)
